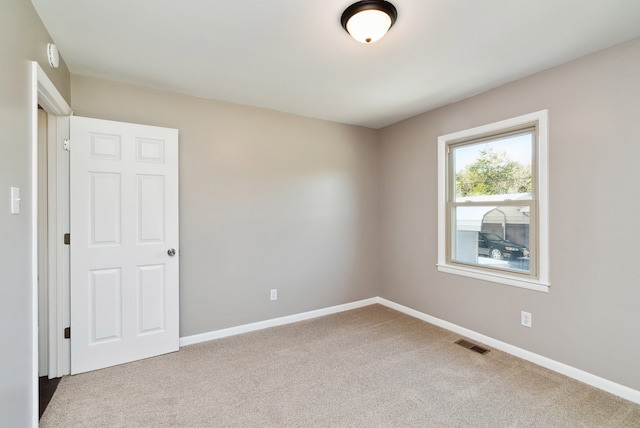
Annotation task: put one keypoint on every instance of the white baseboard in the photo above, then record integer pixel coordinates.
(246, 328)
(572, 372)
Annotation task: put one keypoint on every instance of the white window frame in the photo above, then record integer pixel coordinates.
(540, 282)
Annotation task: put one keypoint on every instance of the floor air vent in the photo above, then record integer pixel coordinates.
(472, 346)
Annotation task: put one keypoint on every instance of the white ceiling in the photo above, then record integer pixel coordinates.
(293, 55)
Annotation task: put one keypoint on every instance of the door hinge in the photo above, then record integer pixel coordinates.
(67, 333)
(67, 239)
(66, 145)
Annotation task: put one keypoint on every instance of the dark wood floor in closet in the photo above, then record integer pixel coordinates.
(47, 388)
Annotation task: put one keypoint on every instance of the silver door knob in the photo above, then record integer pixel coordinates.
(171, 252)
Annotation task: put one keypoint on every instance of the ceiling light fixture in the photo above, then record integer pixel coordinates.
(369, 20)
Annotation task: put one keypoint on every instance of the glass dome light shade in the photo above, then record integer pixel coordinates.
(369, 26)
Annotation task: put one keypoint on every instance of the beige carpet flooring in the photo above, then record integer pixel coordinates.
(369, 367)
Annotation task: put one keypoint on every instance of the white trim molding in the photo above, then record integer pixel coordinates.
(45, 94)
(260, 325)
(49, 98)
(48, 95)
(564, 369)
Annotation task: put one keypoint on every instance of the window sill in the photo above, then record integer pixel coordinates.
(529, 284)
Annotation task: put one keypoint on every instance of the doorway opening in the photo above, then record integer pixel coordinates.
(50, 125)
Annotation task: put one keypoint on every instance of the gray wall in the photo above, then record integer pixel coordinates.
(267, 200)
(589, 319)
(22, 39)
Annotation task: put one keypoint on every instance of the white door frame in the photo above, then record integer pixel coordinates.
(58, 252)
(43, 230)
(45, 94)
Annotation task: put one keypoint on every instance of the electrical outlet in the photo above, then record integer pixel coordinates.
(274, 294)
(525, 319)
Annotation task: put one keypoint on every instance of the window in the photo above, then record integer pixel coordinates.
(492, 202)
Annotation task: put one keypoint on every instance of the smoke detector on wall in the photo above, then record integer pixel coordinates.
(52, 55)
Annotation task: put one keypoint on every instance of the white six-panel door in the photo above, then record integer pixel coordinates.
(124, 226)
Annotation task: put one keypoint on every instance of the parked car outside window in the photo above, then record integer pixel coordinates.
(491, 245)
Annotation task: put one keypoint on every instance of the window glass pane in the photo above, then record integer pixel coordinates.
(494, 170)
(495, 236)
